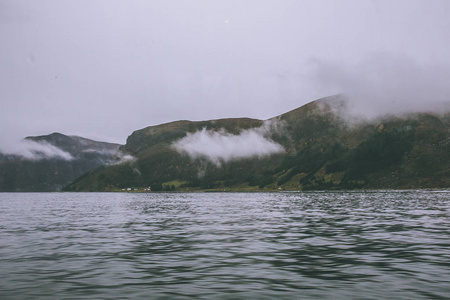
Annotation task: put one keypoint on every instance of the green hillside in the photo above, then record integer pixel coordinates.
(45, 173)
(322, 150)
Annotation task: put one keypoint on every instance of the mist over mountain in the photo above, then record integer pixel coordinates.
(384, 84)
(317, 146)
(222, 147)
(49, 162)
(321, 145)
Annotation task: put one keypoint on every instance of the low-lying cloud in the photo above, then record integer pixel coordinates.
(221, 146)
(123, 158)
(36, 150)
(386, 84)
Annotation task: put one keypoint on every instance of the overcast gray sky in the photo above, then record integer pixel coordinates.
(102, 68)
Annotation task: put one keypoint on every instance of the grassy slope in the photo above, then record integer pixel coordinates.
(322, 152)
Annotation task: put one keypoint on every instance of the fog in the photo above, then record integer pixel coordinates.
(385, 84)
(36, 150)
(123, 158)
(220, 146)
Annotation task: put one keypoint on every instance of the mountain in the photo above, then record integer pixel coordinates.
(50, 162)
(317, 146)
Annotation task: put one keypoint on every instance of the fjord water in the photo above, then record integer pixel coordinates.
(314, 245)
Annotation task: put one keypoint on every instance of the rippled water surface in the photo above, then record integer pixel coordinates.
(338, 245)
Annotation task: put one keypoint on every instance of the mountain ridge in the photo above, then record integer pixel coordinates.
(50, 162)
(323, 149)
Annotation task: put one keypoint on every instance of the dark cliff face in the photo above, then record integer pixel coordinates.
(51, 173)
(323, 149)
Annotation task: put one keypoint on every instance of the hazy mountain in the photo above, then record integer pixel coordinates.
(49, 162)
(316, 146)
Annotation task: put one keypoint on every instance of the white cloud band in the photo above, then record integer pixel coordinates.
(220, 146)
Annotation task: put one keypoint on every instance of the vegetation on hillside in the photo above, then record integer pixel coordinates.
(322, 151)
(45, 173)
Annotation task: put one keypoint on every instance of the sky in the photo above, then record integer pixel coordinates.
(104, 68)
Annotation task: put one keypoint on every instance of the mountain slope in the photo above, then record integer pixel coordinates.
(321, 149)
(48, 163)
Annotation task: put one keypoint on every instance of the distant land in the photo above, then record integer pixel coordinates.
(50, 162)
(318, 146)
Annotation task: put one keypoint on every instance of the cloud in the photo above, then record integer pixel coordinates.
(36, 150)
(107, 152)
(386, 84)
(221, 146)
(123, 158)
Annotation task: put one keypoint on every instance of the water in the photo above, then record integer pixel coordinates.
(337, 245)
